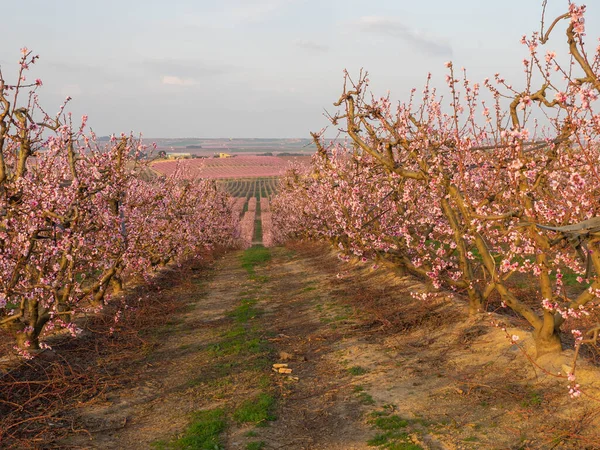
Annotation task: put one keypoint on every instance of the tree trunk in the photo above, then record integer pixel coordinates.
(117, 285)
(475, 302)
(27, 341)
(547, 342)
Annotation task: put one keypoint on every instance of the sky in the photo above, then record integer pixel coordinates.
(255, 68)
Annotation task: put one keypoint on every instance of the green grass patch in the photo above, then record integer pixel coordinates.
(394, 436)
(220, 380)
(254, 256)
(241, 339)
(366, 399)
(357, 370)
(569, 278)
(242, 349)
(191, 348)
(403, 446)
(333, 314)
(238, 342)
(390, 423)
(257, 410)
(257, 230)
(534, 398)
(263, 381)
(380, 439)
(202, 434)
(245, 311)
(12, 306)
(393, 441)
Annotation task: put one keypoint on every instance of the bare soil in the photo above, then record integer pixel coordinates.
(360, 347)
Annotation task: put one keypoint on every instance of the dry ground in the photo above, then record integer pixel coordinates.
(371, 368)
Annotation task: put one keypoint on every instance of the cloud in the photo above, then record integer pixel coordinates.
(393, 27)
(185, 68)
(83, 70)
(256, 10)
(229, 14)
(177, 81)
(71, 90)
(311, 45)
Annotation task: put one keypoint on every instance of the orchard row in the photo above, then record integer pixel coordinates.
(79, 218)
(256, 224)
(475, 189)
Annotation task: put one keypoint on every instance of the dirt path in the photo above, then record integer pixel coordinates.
(159, 403)
(370, 368)
(320, 410)
(195, 369)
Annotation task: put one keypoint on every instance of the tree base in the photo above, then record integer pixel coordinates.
(547, 345)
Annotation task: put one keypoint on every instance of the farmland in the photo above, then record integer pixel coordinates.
(223, 168)
(209, 147)
(250, 202)
(251, 181)
(263, 187)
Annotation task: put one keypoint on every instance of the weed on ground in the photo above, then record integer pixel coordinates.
(257, 410)
(254, 256)
(202, 434)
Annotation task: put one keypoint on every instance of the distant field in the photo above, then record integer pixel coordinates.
(243, 176)
(251, 187)
(208, 147)
(217, 168)
(241, 166)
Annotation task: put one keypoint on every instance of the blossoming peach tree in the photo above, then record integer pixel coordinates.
(470, 190)
(77, 217)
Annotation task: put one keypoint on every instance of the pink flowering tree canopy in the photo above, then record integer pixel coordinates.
(467, 189)
(78, 218)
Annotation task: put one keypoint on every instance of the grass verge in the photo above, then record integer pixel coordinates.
(202, 434)
(241, 352)
(254, 256)
(257, 410)
(393, 433)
